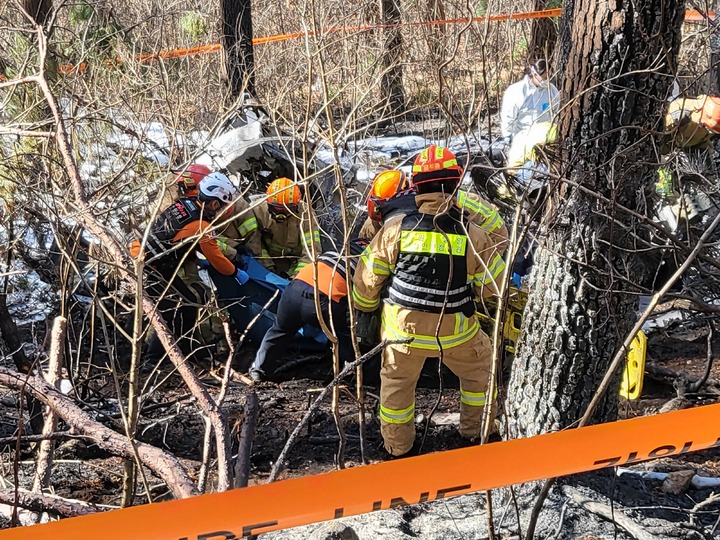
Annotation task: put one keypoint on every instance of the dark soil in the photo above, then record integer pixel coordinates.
(172, 422)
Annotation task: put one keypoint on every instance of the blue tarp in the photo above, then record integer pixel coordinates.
(246, 301)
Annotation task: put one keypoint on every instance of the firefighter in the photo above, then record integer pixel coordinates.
(185, 183)
(391, 193)
(387, 186)
(287, 231)
(237, 235)
(692, 123)
(435, 265)
(173, 238)
(297, 309)
(690, 126)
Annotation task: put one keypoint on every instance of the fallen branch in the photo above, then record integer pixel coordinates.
(247, 435)
(47, 503)
(712, 499)
(161, 463)
(605, 511)
(27, 439)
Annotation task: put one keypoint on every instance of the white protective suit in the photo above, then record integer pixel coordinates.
(525, 104)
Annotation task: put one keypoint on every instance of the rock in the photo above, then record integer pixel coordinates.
(677, 482)
(8, 401)
(66, 386)
(334, 531)
(445, 419)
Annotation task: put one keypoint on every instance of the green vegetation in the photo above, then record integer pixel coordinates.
(193, 25)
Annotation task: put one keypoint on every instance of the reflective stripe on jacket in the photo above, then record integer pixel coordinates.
(378, 263)
(430, 270)
(291, 238)
(178, 229)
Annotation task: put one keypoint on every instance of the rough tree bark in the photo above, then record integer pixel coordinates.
(543, 33)
(393, 95)
(618, 56)
(236, 34)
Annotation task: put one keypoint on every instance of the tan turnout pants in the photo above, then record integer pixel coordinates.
(401, 367)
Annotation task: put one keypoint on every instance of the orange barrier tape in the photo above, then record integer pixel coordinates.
(300, 501)
(691, 15)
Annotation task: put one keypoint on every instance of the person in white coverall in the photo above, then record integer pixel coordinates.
(531, 100)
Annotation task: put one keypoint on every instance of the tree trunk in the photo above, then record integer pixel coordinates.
(393, 95)
(38, 9)
(236, 36)
(543, 34)
(579, 309)
(714, 71)
(437, 42)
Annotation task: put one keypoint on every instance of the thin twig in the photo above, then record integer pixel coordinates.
(619, 357)
(697, 385)
(282, 458)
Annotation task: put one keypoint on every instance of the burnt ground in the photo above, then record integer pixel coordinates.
(171, 421)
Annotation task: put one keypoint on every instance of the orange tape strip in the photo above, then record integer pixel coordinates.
(691, 15)
(300, 501)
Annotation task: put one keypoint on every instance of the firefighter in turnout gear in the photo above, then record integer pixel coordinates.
(392, 185)
(297, 308)
(692, 123)
(185, 183)
(287, 232)
(435, 264)
(391, 193)
(240, 233)
(175, 235)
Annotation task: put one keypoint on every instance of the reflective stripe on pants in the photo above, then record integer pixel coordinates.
(401, 367)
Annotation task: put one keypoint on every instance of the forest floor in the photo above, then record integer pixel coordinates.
(172, 421)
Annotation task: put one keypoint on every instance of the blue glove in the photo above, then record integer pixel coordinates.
(242, 277)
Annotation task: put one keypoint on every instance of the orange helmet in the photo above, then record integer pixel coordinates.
(187, 179)
(710, 117)
(283, 197)
(386, 185)
(433, 164)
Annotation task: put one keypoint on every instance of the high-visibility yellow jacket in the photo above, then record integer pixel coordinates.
(242, 230)
(478, 210)
(287, 245)
(682, 123)
(486, 215)
(376, 266)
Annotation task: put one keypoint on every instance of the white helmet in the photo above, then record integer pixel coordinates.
(216, 186)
